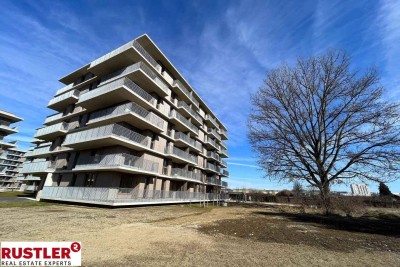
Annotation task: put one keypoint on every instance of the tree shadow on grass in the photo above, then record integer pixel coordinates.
(371, 225)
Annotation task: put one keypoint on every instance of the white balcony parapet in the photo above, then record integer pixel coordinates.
(45, 149)
(179, 117)
(223, 163)
(117, 160)
(211, 142)
(181, 173)
(170, 149)
(107, 131)
(212, 120)
(125, 109)
(126, 82)
(178, 84)
(54, 117)
(213, 167)
(212, 154)
(185, 138)
(124, 196)
(224, 152)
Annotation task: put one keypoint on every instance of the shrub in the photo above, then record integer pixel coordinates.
(348, 205)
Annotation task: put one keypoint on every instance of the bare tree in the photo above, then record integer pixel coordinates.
(297, 188)
(321, 123)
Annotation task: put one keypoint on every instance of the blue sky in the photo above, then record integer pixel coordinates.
(223, 48)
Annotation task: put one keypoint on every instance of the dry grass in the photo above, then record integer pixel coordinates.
(179, 236)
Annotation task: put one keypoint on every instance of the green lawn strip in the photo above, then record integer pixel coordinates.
(23, 204)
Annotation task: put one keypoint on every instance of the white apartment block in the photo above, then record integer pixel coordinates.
(360, 190)
(129, 130)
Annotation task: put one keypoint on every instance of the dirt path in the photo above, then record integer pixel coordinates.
(171, 236)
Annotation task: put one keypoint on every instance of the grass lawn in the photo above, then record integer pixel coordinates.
(14, 194)
(23, 204)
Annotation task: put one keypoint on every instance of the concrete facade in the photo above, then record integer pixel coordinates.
(128, 127)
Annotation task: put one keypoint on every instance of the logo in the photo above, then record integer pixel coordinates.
(40, 254)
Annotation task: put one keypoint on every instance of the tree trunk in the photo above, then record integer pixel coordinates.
(325, 198)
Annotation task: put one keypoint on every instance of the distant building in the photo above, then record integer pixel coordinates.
(360, 190)
(11, 159)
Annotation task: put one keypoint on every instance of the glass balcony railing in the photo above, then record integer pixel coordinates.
(180, 153)
(182, 173)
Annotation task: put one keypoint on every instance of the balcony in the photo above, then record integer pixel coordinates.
(224, 184)
(213, 155)
(223, 144)
(184, 93)
(214, 133)
(125, 196)
(186, 175)
(210, 144)
(31, 188)
(212, 167)
(223, 153)
(142, 75)
(225, 173)
(117, 162)
(179, 155)
(129, 112)
(9, 144)
(37, 167)
(48, 133)
(188, 111)
(7, 129)
(60, 102)
(182, 139)
(214, 181)
(45, 150)
(123, 55)
(211, 122)
(109, 135)
(224, 134)
(59, 117)
(223, 163)
(115, 92)
(182, 124)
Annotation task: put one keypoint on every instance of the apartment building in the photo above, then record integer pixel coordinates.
(10, 157)
(129, 130)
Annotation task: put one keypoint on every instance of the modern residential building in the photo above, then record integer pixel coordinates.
(129, 130)
(10, 158)
(360, 190)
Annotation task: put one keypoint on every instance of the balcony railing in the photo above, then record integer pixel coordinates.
(45, 149)
(127, 196)
(213, 167)
(225, 172)
(59, 127)
(183, 120)
(212, 120)
(53, 118)
(180, 153)
(224, 163)
(223, 132)
(224, 184)
(117, 160)
(108, 131)
(224, 152)
(70, 94)
(62, 116)
(213, 180)
(8, 128)
(214, 132)
(31, 188)
(132, 68)
(190, 111)
(213, 155)
(34, 167)
(185, 138)
(181, 173)
(223, 144)
(148, 116)
(126, 82)
(178, 84)
(211, 142)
